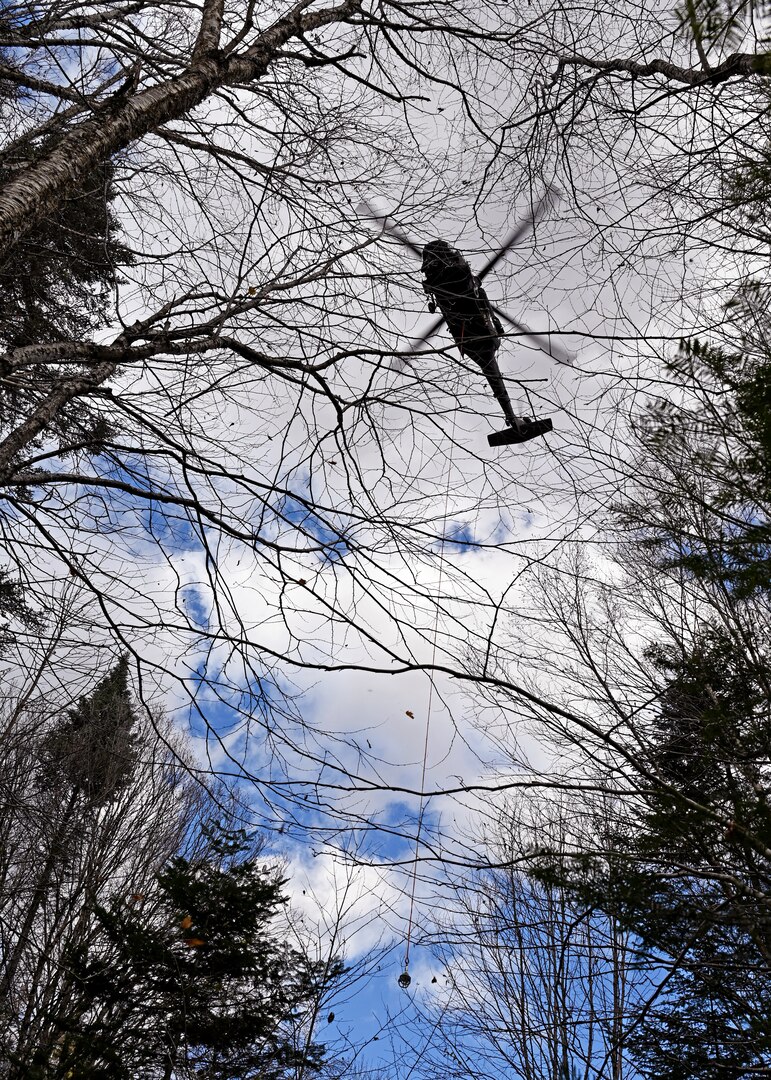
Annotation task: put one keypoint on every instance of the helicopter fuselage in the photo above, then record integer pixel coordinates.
(452, 286)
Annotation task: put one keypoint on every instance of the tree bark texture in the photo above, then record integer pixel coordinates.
(34, 192)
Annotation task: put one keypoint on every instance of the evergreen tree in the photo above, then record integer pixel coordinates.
(90, 803)
(92, 750)
(56, 283)
(56, 286)
(191, 980)
(14, 611)
(687, 869)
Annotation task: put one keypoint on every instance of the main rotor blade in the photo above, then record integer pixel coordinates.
(544, 342)
(390, 228)
(428, 334)
(399, 363)
(525, 225)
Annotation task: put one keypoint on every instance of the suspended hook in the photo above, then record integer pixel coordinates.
(404, 979)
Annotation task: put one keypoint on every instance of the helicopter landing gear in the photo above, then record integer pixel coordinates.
(524, 430)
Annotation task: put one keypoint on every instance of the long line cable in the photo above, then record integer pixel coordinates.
(423, 800)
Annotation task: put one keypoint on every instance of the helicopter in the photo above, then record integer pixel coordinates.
(474, 323)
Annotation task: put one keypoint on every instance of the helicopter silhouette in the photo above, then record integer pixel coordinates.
(475, 323)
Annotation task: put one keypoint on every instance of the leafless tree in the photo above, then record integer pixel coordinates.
(246, 492)
(68, 845)
(528, 983)
(225, 465)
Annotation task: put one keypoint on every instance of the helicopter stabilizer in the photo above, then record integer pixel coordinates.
(525, 429)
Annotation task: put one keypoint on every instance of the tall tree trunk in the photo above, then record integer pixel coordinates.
(35, 191)
(11, 965)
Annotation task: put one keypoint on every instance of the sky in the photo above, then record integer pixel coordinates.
(421, 545)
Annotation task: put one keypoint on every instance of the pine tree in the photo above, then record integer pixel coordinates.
(56, 283)
(92, 750)
(686, 869)
(193, 981)
(78, 768)
(56, 286)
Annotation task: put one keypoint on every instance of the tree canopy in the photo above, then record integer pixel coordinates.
(238, 477)
(138, 930)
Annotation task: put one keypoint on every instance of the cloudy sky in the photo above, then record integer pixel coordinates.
(346, 555)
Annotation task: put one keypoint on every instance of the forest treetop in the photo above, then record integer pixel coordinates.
(204, 396)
